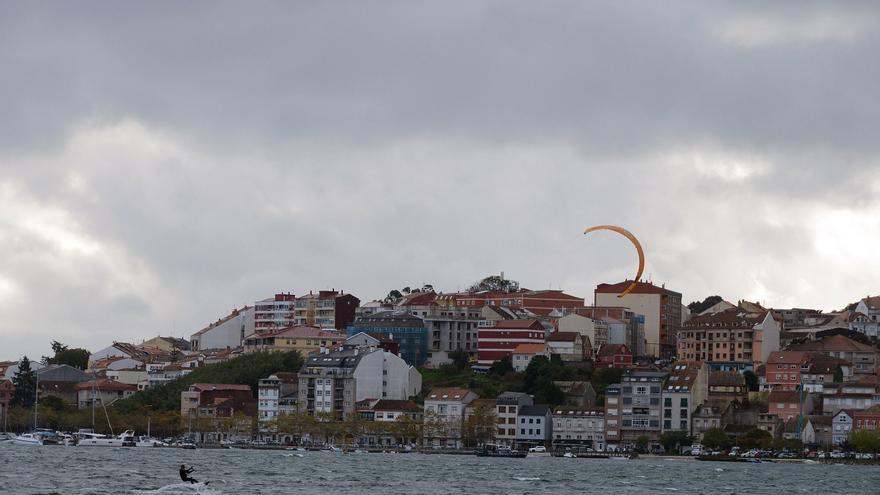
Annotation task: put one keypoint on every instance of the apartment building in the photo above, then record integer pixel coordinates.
(227, 332)
(399, 326)
(498, 339)
(731, 336)
(640, 406)
(660, 307)
(507, 406)
(579, 427)
(686, 387)
(332, 382)
(328, 309)
(444, 416)
(274, 313)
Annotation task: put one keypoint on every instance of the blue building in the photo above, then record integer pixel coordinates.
(408, 331)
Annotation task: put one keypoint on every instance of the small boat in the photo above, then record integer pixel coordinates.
(331, 448)
(538, 451)
(496, 451)
(28, 439)
(88, 438)
(144, 441)
(569, 455)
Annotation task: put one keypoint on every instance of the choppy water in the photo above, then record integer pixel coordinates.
(78, 470)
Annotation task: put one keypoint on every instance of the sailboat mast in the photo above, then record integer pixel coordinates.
(36, 397)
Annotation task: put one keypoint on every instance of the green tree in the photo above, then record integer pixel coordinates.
(865, 440)
(838, 375)
(494, 283)
(501, 367)
(699, 307)
(479, 428)
(751, 380)
(715, 438)
(755, 439)
(642, 443)
(25, 382)
(460, 359)
(77, 358)
(673, 440)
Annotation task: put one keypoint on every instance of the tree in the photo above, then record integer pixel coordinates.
(715, 438)
(501, 367)
(865, 440)
(751, 380)
(77, 358)
(393, 297)
(673, 440)
(479, 428)
(494, 283)
(460, 359)
(25, 382)
(838, 375)
(406, 429)
(642, 443)
(699, 307)
(755, 439)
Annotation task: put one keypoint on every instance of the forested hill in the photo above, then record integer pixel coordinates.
(247, 369)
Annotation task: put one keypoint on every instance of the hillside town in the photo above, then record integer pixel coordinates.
(503, 369)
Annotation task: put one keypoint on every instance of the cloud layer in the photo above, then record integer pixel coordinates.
(158, 170)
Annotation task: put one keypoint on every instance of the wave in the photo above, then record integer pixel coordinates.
(182, 488)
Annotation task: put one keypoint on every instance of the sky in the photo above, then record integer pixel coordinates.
(163, 162)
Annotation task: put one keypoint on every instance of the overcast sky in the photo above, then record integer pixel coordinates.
(164, 162)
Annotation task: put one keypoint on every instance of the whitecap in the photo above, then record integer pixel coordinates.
(525, 478)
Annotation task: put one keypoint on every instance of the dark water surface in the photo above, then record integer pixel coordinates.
(80, 470)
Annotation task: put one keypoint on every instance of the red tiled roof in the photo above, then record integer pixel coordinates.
(396, 405)
(447, 393)
(788, 357)
(835, 343)
(530, 349)
(219, 386)
(105, 384)
(517, 324)
(613, 349)
(640, 288)
(563, 337)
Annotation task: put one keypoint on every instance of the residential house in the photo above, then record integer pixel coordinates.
(727, 386)
(786, 404)
(534, 302)
(592, 330)
(304, 339)
(217, 400)
(579, 427)
(867, 419)
(783, 369)
(444, 415)
(822, 369)
(842, 422)
(388, 417)
(615, 325)
(856, 394)
(362, 339)
(524, 353)
(660, 307)
(577, 393)
(332, 382)
(770, 423)
(101, 392)
(225, 333)
(570, 346)
(60, 380)
(863, 356)
(167, 345)
(614, 356)
(275, 394)
(481, 433)
(534, 426)
(868, 319)
(686, 387)
(822, 430)
(499, 340)
(707, 416)
(408, 331)
(800, 429)
(507, 407)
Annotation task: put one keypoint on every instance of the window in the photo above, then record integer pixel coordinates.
(667, 413)
(522, 421)
(667, 424)
(683, 402)
(683, 425)
(522, 431)
(683, 413)
(538, 421)
(667, 402)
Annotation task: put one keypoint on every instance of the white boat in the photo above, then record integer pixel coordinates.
(90, 439)
(144, 441)
(27, 439)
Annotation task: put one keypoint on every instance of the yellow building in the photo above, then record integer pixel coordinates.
(300, 338)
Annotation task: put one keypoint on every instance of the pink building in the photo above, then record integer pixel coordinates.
(784, 404)
(783, 370)
(614, 356)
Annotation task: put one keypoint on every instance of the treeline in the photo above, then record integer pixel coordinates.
(246, 369)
